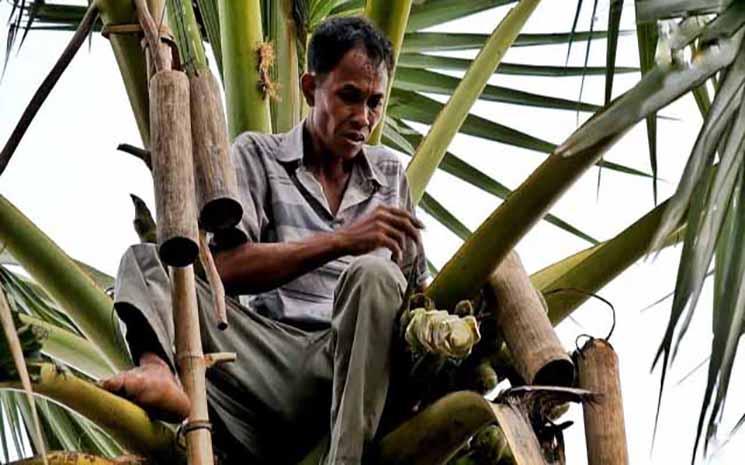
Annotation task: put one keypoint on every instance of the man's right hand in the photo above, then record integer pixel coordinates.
(385, 227)
(153, 387)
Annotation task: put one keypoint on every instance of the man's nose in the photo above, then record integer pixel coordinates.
(361, 116)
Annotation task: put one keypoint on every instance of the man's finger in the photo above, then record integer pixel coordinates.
(393, 246)
(405, 224)
(114, 383)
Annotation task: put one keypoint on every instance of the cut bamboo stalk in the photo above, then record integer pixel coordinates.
(215, 282)
(173, 173)
(604, 425)
(216, 184)
(191, 365)
(537, 353)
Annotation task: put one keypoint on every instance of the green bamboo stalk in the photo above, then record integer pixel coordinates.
(391, 17)
(131, 60)
(448, 122)
(285, 109)
(88, 306)
(124, 421)
(241, 36)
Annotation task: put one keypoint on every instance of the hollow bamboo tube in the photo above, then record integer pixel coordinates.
(191, 365)
(214, 176)
(173, 173)
(522, 319)
(605, 433)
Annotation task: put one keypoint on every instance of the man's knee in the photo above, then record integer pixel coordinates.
(370, 269)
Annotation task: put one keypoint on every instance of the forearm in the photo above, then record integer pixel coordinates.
(257, 267)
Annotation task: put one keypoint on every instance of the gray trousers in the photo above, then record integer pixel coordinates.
(272, 405)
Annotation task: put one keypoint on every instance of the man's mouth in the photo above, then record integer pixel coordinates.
(355, 137)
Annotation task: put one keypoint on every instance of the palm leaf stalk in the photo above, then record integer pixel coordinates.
(449, 120)
(285, 109)
(391, 17)
(47, 85)
(87, 305)
(245, 74)
(466, 272)
(127, 423)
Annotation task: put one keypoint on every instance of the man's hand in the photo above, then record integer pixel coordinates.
(153, 387)
(385, 227)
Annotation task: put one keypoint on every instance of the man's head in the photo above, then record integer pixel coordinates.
(349, 64)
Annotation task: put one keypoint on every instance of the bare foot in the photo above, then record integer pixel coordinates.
(153, 387)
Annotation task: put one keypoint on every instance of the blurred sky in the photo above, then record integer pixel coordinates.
(68, 178)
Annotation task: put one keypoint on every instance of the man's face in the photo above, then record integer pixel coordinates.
(347, 103)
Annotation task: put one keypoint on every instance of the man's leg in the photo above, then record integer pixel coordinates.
(258, 403)
(366, 301)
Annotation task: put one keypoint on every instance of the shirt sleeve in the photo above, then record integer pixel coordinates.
(252, 194)
(413, 256)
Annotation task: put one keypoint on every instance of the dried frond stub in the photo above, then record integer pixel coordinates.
(268, 87)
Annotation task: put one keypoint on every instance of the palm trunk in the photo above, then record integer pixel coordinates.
(131, 60)
(391, 17)
(88, 306)
(241, 39)
(448, 122)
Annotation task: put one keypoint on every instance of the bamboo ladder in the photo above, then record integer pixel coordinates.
(182, 149)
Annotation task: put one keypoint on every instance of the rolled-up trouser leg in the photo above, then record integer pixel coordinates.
(277, 389)
(366, 301)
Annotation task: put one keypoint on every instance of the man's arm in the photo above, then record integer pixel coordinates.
(256, 267)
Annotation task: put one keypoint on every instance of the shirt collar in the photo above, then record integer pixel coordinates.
(291, 150)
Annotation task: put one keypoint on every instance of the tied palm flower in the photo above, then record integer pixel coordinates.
(439, 332)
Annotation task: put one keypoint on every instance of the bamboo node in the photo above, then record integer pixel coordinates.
(267, 87)
(188, 426)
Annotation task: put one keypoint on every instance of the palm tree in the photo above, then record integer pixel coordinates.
(61, 301)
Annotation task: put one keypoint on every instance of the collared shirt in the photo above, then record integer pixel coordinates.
(283, 201)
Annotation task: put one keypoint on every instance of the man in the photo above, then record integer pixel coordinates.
(327, 234)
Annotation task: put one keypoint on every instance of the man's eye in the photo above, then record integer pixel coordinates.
(375, 102)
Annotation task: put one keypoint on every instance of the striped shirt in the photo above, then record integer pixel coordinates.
(283, 201)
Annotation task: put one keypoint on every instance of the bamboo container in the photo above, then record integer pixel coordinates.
(191, 365)
(214, 175)
(173, 173)
(605, 433)
(538, 355)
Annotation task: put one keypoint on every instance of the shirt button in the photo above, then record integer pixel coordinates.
(337, 222)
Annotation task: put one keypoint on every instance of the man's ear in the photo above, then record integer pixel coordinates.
(308, 86)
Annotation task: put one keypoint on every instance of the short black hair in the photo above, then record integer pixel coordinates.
(334, 37)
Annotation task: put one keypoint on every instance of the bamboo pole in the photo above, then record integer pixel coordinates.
(391, 17)
(127, 423)
(605, 432)
(191, 365)
(173, 173)
(87, 305)
(520, 315)
(241, 36)
(432, 149)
